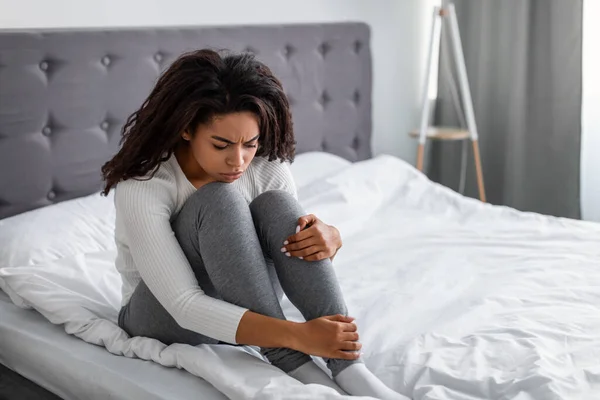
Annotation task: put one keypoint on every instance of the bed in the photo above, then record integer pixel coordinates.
(454, 299)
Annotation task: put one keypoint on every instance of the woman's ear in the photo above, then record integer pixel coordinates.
(186, 135)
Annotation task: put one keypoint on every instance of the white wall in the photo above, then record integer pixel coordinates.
(590, 135)
(399, 33)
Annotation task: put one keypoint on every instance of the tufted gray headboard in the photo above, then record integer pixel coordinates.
(65, 95)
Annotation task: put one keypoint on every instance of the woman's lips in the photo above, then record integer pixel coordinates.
(234, 175)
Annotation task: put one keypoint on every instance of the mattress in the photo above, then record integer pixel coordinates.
(74, 369)
(454, 300)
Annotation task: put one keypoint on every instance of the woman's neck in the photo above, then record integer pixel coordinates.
(188, 164)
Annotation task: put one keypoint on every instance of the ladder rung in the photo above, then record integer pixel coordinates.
(441, 133)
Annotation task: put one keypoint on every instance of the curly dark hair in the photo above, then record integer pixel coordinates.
(197, 87)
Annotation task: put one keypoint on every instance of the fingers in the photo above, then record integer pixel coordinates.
(308, 250)
(350, 336)
(305, 253)
(303, 235)
(346, 355)
(351, 346)
(303, 230)
(339, 318)
(321, 255)
(300, 245)
(349, 327)
(304, 221)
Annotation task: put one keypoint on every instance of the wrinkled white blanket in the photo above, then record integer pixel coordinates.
(454, 299)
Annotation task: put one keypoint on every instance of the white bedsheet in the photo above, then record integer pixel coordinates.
(76, 370)
(454, 299)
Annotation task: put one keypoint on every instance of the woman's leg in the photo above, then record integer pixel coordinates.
(216, 232)
(311, 286)
(145, 316)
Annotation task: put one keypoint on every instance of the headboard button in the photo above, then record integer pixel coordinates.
(106, 61)
(356, 97)
(104, 125)
(46, 131)
(51, 195)
(324, 99)
(158, 57)
(287, 51)
(44, 65)
(324, 48)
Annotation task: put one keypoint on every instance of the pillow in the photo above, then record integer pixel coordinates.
(312, 166)
(66, 229)
(85, 224)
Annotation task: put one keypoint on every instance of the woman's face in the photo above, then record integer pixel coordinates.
(224, 148)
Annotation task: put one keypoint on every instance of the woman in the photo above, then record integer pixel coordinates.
(206, 214)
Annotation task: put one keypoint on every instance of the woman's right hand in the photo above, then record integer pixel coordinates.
(333, 336)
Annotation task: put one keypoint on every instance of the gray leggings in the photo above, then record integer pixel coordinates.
(234, 251)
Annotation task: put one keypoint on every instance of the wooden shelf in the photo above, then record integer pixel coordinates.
(441, 133)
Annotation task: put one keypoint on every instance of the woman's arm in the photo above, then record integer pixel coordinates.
(331, 336)
(259, 330)
(143, 209)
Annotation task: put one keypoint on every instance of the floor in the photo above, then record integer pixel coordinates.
(14, 387)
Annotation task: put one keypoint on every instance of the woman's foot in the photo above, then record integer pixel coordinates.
(311, 373)
(357, 380)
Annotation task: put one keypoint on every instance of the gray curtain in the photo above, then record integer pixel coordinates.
(523, 60)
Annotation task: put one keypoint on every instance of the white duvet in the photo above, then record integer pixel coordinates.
(454, 299)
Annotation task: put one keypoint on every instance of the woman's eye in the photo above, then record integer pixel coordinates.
(224, 147)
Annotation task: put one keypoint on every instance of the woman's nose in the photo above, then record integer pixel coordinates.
(236, 159)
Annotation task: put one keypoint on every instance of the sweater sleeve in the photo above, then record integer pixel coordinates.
(277, 175)
(145, 207)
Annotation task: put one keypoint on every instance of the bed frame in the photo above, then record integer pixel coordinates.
(65, 95)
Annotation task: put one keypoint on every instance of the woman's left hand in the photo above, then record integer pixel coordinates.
(314, 240)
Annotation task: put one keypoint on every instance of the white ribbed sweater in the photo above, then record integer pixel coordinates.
(147, 248)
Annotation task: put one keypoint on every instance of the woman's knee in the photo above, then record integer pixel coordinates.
(214, 196)
(275, 204)
(218, 193)
(217, 199)
(272, 199)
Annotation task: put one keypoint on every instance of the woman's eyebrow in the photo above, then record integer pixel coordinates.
(221, 139)
(253, 139)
